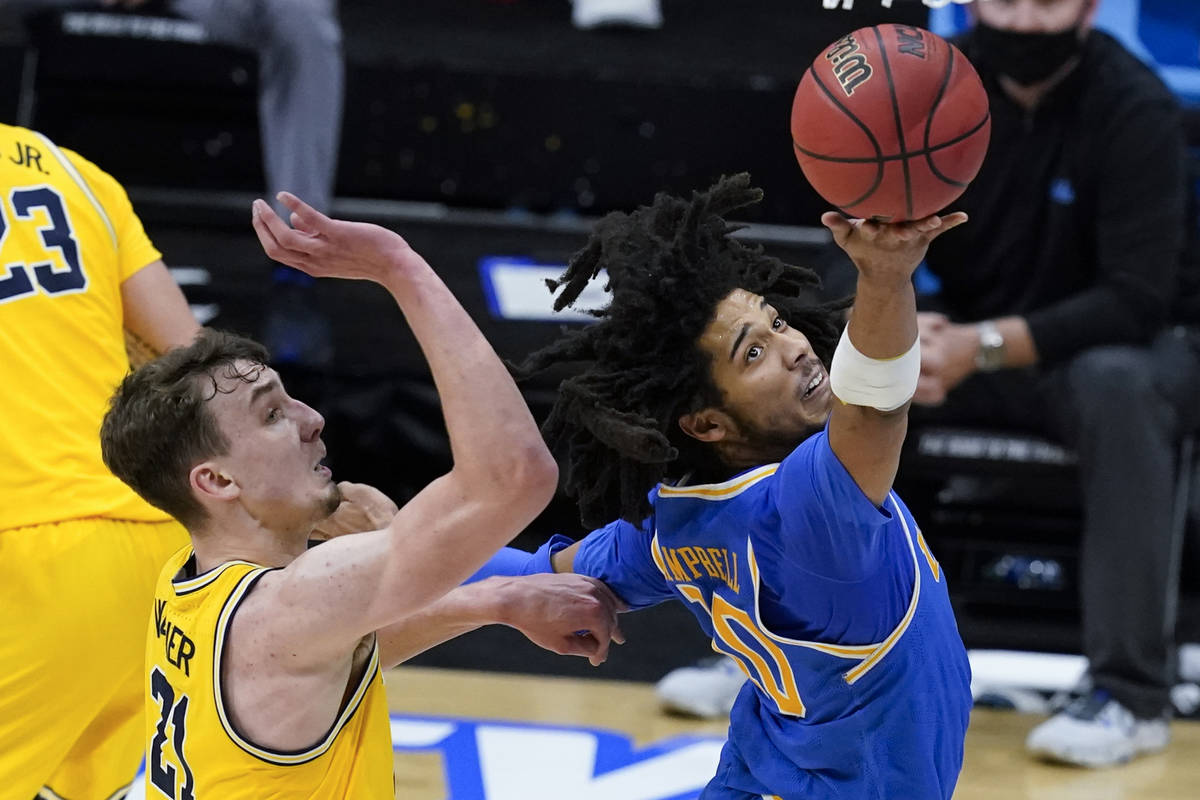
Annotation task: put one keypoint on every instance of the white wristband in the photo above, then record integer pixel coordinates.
(882, 384)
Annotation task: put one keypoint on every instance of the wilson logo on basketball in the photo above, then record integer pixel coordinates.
(850, 66)
(910, 40)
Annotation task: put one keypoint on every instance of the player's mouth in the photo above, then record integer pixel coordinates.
(815, 384)
(321, 469)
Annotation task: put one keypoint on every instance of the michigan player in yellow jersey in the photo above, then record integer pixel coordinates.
(79, 551)
(263, 656)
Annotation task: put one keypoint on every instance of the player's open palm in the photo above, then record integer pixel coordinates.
(567, 614)
(329, 248)
(881, 250)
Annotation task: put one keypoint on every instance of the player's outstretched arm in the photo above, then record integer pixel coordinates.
(565, 614)
(878, 357)
(157, 316)
(503, 474)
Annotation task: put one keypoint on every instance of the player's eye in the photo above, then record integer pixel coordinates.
(753, 352)
(273, 415)
(778, 324)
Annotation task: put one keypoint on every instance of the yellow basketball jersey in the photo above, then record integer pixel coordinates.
(193, 750)
(68, 238)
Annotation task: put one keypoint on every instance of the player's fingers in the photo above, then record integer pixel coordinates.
(304, 216)
(299, 224)
(606, 595)
(838, 225)
(927, 224)
(871, 230)
(599, 652)
(599, 608)
(351, 490)
(297, 244)
(260, 211)
(949, 222)
(604, 626)
(601, 617)
(582, 644)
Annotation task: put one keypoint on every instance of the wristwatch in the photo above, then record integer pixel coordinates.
(990, 356)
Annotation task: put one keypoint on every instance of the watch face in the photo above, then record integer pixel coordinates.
(991, 348)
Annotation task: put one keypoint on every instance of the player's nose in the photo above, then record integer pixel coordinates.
(312, 423)
(795, 350)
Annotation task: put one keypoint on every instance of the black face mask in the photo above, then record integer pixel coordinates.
(1025, 57)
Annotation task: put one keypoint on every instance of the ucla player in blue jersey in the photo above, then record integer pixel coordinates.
(748, 455)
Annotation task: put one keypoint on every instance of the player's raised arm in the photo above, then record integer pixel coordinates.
(502, 477)
(878, 361)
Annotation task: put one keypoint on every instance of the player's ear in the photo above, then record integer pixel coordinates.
(207, 479)
(707, 424)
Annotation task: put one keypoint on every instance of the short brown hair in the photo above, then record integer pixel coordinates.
(158, 425)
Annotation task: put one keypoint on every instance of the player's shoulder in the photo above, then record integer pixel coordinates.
(27, 137)
(17, 132)
(32, 150)
(93, 175)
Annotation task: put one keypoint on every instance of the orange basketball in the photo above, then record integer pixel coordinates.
(890, 123)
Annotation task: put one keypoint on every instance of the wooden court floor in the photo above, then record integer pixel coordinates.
(473, 712)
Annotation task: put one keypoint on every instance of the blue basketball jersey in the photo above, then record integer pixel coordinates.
(833, 607)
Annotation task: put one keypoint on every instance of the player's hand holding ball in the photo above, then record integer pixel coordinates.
(890, 123)
(888, 251)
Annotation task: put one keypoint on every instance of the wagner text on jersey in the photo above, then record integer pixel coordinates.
(178, 645)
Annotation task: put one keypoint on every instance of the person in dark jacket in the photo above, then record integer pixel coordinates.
(1070, 314)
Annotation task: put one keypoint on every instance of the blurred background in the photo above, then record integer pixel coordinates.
(492, 134)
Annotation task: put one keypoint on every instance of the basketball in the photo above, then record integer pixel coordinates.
(890, 123)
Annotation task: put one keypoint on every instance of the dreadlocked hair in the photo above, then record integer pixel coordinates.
(638, 368)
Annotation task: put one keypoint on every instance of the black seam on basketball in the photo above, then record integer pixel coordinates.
(987, 115)
(887, 70)
(870, 136)
(897, 156)
(937, 173)
(937, 101)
